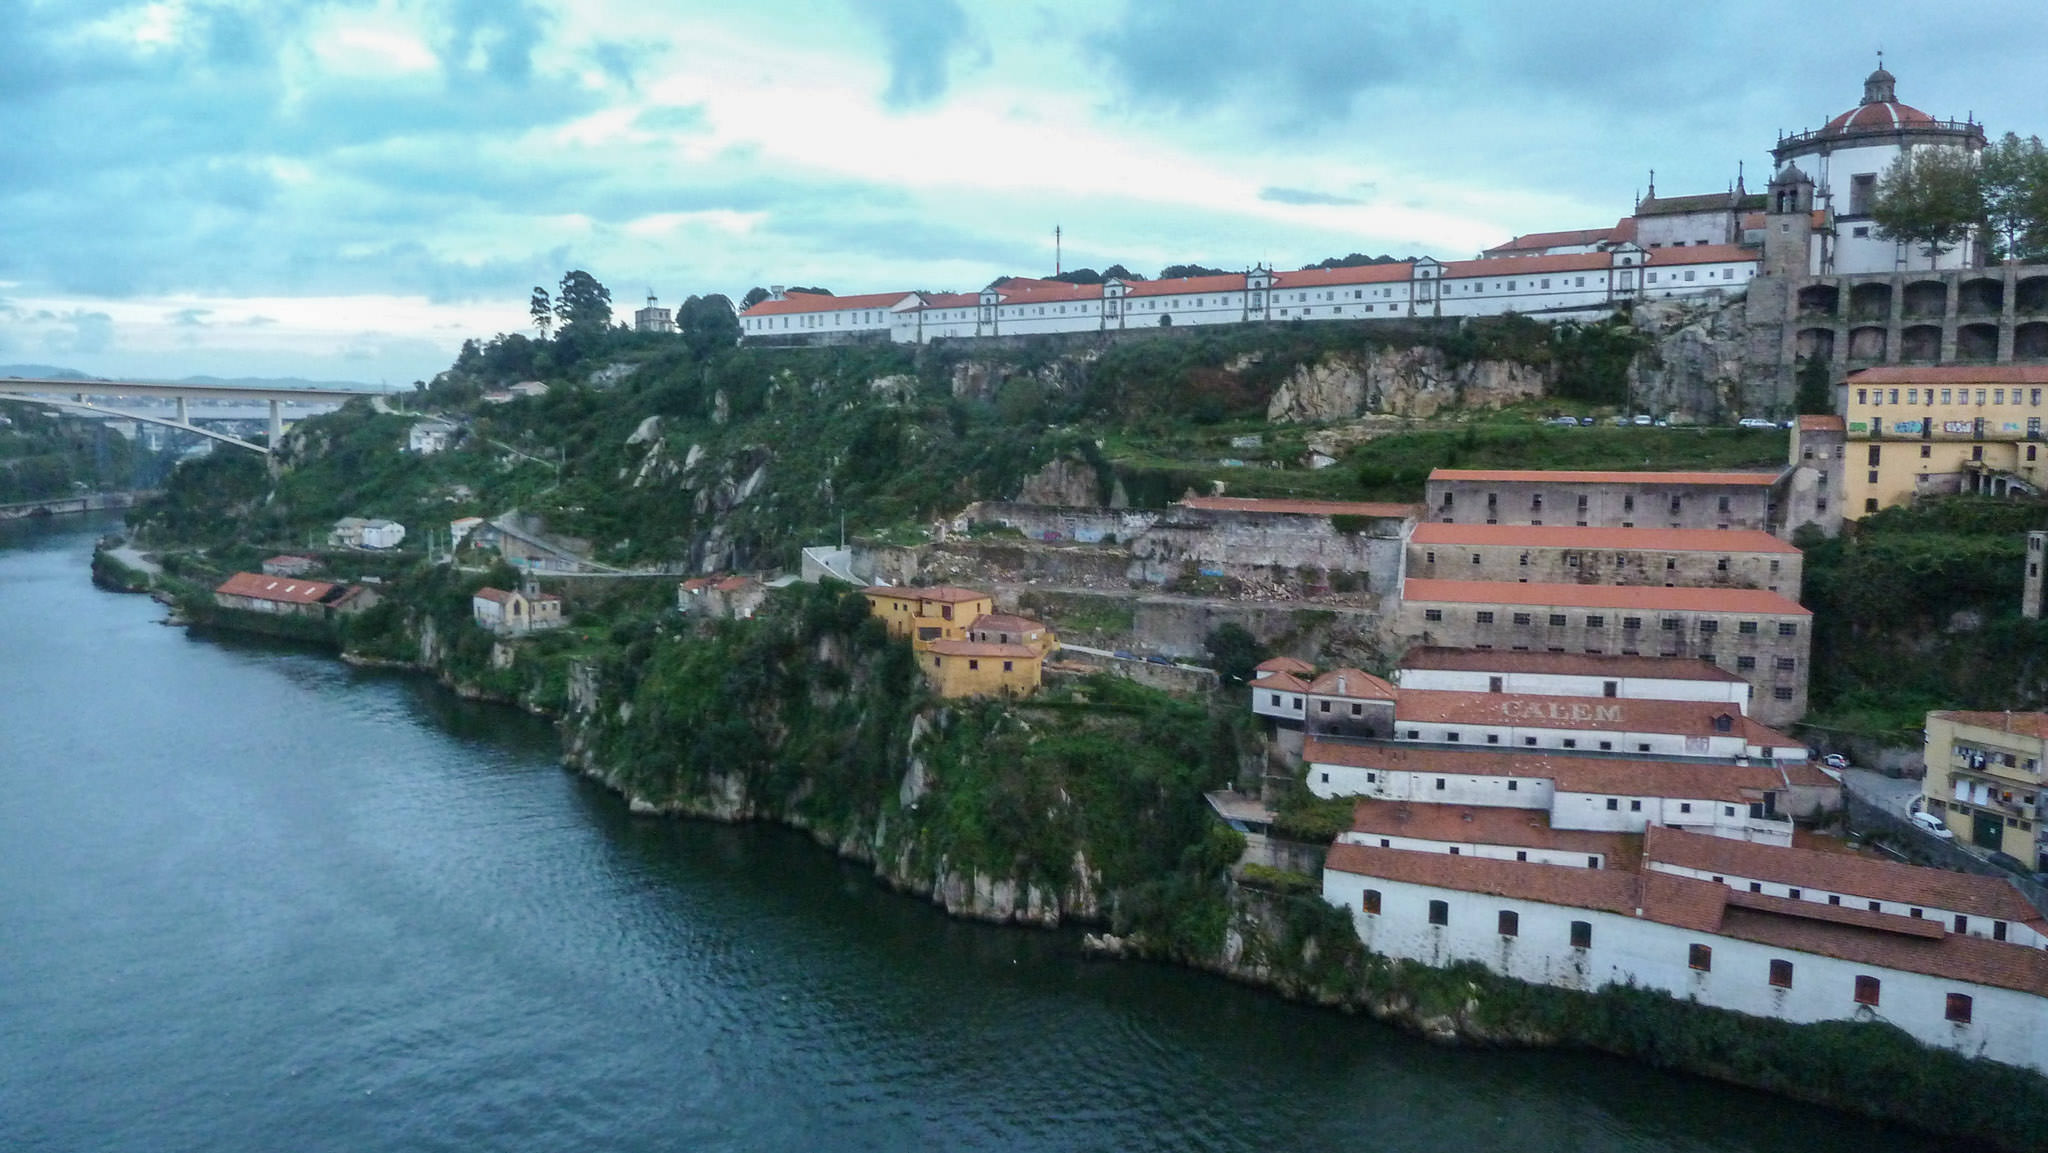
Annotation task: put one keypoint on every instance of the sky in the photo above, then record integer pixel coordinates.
(349, 190)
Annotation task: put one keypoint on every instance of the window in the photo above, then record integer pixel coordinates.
(1631, 622)
(973, 664)
(1959, 1006)
(1700, 957)
(1788, 629)
(1635, 806)
(1557, 620)
(1746, 628)
(1510, 923)
(1962, 923)
(1372, 902)
(1867, 989)
(1787, 664)
(1596, 621)
(1439, 912)
(1439, 784)
(1707, 627)
(1781, 974)
(1685, 806)
(1522, 618)
(1432, 614)
(1671, 624)
(1613, 803)
(1485, 617)
(1582, 934)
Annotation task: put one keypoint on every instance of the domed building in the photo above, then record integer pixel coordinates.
(1848, 156)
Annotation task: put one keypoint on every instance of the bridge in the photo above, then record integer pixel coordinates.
(79, 396)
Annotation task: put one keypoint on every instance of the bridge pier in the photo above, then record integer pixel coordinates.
(183, 417)
(276, 425)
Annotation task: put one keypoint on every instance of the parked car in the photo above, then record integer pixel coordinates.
(1586, 422)
(1642, 420)
(1933, 824)
(1566, 421)
(1756, 422)
(1835, 761)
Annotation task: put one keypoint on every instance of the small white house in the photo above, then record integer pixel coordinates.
(430, 436)
(511, 612)
(357, 532)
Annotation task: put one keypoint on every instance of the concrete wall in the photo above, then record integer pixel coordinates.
(1615, 504)
(1778, 572)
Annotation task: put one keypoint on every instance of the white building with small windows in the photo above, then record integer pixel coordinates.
(1823, 947)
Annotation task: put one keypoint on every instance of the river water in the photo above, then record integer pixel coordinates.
(251, 899)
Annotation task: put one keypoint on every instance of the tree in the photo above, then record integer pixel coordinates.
(708, 324)
(2014, 173)
(1080, 276)
(1233, 652)
(582, 303)
(754, 296)
(542, 310)
(1177, 271)
(1931, 198)
(1816, 396)
(1119, 272)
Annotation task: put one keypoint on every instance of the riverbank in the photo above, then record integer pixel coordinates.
(1082, 807)
(72, 505)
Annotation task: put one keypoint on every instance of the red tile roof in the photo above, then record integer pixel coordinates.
(497, 596)
(1535, 240)
(289, 558)
(1714, 540)
(1284, 682)
(1705, 254)
(1526, 265)
(1571, 773)
(1525, 828)
(733, 584)
(1352, 683)
(1645, 598)
(1284, 665)
(1361, 274)
(1845, 873)
(2025, 724)
(1822, 424)
(284, 590)
(1952, 374)
(1005, 622)
(950, 300)
(1186, 285)
(1025, 290)
(1593, 714)
(793, 302)
(1584, 476)
(1300, 507)
(1567, 664)
(1876, 117)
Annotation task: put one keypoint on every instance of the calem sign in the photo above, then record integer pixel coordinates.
(1560, 711)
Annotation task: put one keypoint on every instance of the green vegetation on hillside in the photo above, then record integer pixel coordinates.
(44, 454)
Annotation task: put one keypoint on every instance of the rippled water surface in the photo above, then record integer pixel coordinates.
(251, 899)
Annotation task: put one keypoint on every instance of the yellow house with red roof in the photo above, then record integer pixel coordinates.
(964, 646)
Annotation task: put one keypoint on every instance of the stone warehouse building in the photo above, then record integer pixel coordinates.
(1559, 554)
(1602, 499)
(1760, 636)
(1549, 674)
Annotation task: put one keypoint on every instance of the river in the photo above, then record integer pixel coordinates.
(252, 899)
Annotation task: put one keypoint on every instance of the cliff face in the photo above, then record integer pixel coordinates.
(1695, 366)
(1414, 382)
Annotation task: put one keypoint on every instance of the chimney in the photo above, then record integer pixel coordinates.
(775, 292)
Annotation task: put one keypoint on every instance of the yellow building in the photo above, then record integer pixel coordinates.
(1916, 430)
(975, 669)
(929, 614)
(1984, 779)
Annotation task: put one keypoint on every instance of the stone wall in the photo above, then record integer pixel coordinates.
(1615, 504)
(1779, 572)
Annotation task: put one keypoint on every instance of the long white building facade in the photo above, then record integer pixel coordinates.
(1576, 285)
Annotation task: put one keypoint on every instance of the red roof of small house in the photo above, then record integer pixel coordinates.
(792, 302)
(1644, 598)
(1822, 424)
(1355, 683)
(733, 583)
(1537, 240)
(497, 596)
(284, 590)
(698, 584)
(289, 558)
(1715, 540)
(1400, 270)
(2024, 724)
(1005, 622)
(1590, 476)
(1299, 507)
(1284, 665)
(1952, 374)
(979, 649)
(1283, 682)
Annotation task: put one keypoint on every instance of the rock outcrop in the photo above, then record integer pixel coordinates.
(1414, 382)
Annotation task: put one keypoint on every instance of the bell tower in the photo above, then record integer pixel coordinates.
(1788, 225)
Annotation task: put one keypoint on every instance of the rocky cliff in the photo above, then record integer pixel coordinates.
(1415, 382)
(1694, 367)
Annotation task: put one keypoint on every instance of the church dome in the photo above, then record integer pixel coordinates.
(1877, 116)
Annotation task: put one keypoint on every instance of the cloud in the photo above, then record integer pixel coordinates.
(1303, 196)
(921, 37)
(190, 317)
(78, 332)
